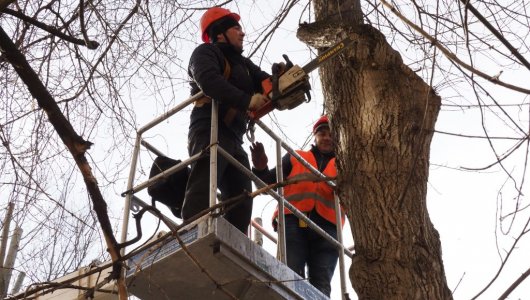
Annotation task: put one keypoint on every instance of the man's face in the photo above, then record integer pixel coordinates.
(324, 140)
(235, 36)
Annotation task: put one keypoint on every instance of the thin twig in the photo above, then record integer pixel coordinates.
(451, 56)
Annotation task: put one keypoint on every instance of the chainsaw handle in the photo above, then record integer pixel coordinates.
(267, 87)
(260, 112)
(270, 87)
(288, 62)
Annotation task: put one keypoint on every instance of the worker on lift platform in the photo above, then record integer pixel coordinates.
(316, 199)
(218, 68)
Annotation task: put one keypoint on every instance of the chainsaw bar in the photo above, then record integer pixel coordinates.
(289, 90)
(326, 55)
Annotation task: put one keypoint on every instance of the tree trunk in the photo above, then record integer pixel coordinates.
(382, 116)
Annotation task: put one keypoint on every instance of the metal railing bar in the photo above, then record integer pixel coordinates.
(151, 148)
(293, 152)
(163, 174)
(134, 161)
(213, 154)
(264, 231)
(282, 241)
(170, 112)
(127, 205)
(276, 196)
(342, 264)
(135, 201)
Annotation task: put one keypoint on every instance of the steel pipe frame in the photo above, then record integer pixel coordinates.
(134, 161)
(276, 196)
(215, 148)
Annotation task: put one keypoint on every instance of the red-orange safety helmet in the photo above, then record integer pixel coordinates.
(213, 14)
(323, 121)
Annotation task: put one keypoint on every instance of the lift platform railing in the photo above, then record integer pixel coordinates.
(214, 150)
(134, 160)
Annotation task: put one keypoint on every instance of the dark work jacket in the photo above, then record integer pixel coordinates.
(269, 176)
(206, 68)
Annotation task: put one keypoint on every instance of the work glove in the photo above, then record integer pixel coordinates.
(257, 101)
(259, 158)
(278, 68)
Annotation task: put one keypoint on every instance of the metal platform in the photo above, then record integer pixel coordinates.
(243, 268)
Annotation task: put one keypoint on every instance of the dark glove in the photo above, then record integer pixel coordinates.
(259, 158)
(278, 68)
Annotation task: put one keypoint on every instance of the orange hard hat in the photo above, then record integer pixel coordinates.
(323, 121)
(213, 14)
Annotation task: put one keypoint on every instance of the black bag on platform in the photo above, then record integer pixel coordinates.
(171, 189)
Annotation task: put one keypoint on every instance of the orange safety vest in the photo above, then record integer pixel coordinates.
(308, 195)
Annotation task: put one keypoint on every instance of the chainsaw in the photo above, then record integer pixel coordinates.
(289, 88)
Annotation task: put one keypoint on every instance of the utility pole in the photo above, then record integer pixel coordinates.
(8, 262)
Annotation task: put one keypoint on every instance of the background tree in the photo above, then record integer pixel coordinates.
(75, 91)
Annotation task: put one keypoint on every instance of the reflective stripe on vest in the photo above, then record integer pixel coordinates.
(314, 196)
(308, 195)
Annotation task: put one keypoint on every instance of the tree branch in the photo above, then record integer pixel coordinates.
(450, 55)
(52, 30)
(515, 284)
(75, 143)
(495, 32)
(4, 4)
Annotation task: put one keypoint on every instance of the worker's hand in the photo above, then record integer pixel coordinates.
(257, 101)
(259, 158)
(278, 68)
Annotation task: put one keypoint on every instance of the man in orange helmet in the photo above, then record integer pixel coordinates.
(218, 68)
(315, 199)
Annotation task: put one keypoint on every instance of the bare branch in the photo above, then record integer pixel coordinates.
(52, 30)
(75, 143)
(501, 38)
(452, 56)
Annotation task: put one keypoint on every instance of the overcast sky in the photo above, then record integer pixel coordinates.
(463, 205)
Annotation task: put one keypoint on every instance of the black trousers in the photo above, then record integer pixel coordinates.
(230, 181)
(305, 247)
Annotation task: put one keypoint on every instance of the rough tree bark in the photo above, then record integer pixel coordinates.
(382, 115)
